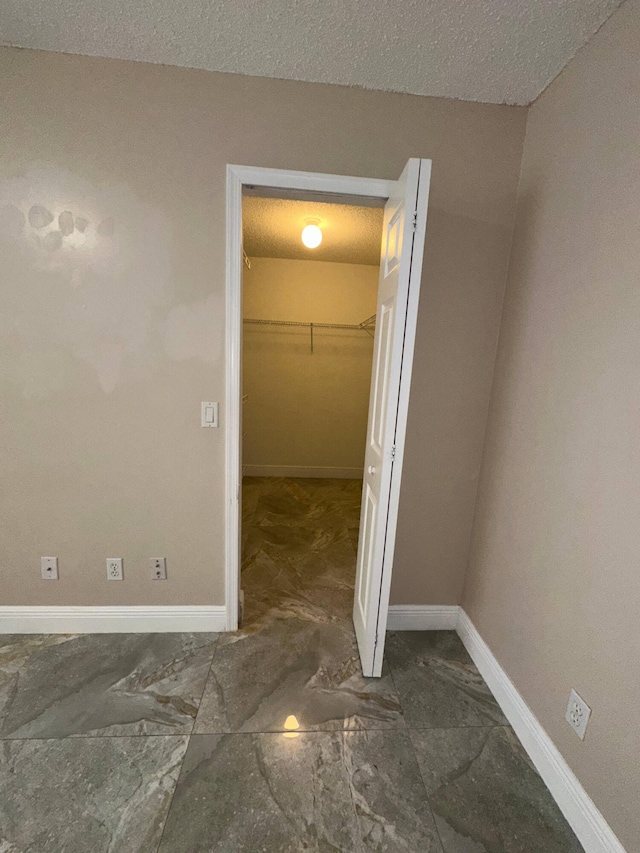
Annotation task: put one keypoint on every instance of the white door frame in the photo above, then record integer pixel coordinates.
(237, 176)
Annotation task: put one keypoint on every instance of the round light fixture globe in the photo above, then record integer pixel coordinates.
(311, 235)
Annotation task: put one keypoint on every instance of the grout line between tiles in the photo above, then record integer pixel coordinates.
(426, 793)
(383, 729)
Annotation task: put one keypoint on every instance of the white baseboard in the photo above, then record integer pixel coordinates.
(116, 620)
(301, 471)
(422, 617)
(592, 830)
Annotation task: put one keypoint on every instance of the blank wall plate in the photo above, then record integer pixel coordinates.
(49, 568)
(159, 568)
(114, 569)
(578, 713)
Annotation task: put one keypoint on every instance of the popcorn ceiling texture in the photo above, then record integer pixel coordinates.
(496, 51)
(272, 228)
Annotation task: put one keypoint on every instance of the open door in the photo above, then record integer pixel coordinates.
(405, 220)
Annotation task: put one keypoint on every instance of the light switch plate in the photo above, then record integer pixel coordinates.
(209, 415)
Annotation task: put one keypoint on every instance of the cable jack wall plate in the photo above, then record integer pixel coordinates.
(49, 568)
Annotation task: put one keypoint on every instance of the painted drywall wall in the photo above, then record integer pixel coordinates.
(108, 350)
(553, 582)
(307, 410)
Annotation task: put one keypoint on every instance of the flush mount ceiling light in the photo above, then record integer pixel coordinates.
(311, 234)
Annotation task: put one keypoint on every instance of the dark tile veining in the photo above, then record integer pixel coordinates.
(295, 667)
(84, 795)
(269, 740)
(486, 795)
(263, 793)
(101, 684)
(438, 683)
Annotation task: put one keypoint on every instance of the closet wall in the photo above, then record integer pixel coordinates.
(305, 414)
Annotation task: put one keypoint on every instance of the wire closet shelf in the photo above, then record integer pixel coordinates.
(367, 325)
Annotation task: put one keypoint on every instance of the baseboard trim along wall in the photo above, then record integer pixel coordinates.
(426, 617)
(301, 471)
(592, 830)
(116, 620)
(586, 820)
(582, 814)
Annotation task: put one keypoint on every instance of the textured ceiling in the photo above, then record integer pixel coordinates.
(500, 51)
(272, 228)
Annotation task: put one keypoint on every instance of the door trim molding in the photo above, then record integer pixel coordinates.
(127, 619)
(255, 176)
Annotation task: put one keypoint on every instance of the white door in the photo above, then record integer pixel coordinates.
(405, 220)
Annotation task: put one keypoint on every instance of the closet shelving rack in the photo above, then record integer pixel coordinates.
(367, 325)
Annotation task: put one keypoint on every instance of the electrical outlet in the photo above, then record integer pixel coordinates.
(159, 568)
(578, 713)
(114, 569)
(49, 568)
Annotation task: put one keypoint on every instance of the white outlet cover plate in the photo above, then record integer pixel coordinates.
(49, 568)
(114, 569)
(578, 713)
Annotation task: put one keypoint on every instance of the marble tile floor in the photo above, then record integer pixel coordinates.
(182, 743)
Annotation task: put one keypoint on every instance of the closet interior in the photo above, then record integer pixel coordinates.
(308, 334)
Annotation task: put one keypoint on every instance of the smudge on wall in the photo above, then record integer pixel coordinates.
(87, 276)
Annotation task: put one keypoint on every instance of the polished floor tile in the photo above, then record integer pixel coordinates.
(394, 815)
(356, 792)
(111, 684)
(486, 795)
(87, 795)
(298, 556)
(438, 684)
(184, 743)
(263, 792)
(295, 667)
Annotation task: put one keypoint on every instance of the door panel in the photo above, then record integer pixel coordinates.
(399, 286)
(364, 555)
(385, 322)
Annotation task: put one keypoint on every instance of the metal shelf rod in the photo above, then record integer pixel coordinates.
(359, 326)
(365, 326)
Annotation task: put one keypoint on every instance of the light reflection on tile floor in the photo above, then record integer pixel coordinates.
(267, 740)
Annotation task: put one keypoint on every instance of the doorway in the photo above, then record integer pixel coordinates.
(308, 335)
(403, 229)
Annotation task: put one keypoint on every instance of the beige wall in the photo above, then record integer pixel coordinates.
(307, 411)
(108, 348)
(553, 582)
